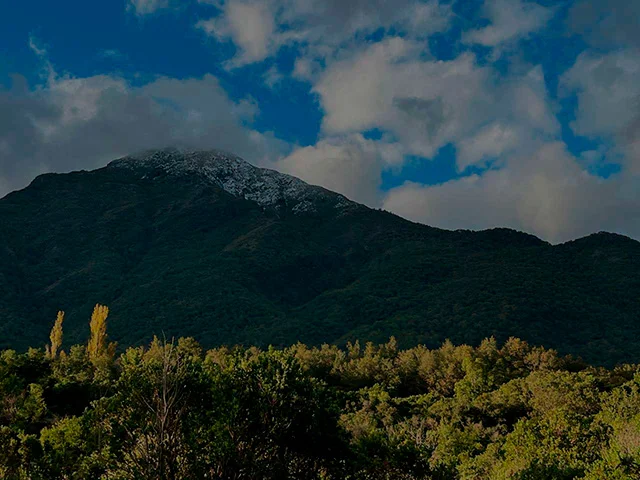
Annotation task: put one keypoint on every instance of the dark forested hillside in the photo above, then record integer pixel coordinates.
(204, 245)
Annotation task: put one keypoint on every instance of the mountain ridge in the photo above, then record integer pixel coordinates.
(214, 155)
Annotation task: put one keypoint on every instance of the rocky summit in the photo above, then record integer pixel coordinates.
(234, 175)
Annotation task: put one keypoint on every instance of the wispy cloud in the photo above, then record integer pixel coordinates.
(147, 7)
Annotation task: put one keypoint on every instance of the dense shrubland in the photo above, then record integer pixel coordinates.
(173, 411)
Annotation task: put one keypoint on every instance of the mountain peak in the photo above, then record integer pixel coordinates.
(268, 188)
(177, 158)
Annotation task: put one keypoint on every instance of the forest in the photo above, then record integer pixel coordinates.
(170, 410)
(176, 253)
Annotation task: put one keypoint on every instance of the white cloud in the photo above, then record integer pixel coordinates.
(40, 51)
(320, 27)
(147, 7)
(426, 104)
(607, 23)
(306, 69)
(250, 25)
(349, 165)
(272, 77)
(608, 91)
(333, 22)
(510, 20)
(545, 193)
(72, 123)
(608, 95)
(112, 54)
(493, 141)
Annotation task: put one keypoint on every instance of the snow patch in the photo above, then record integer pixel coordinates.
(267, 188)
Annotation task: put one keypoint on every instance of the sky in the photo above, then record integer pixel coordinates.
(461, 114)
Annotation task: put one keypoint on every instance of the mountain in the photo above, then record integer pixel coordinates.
(203, 244)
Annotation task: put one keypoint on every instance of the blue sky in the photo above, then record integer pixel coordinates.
(459, 114)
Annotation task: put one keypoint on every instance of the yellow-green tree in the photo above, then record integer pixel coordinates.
(97, 346)
(56, 336)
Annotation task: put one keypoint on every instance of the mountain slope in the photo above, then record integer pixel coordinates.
(204, 244)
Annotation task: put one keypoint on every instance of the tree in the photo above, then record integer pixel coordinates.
(271, 420)
(56, 336)
(154, 384)
(97, 346)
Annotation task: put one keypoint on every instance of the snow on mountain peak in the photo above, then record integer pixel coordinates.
(267, 188)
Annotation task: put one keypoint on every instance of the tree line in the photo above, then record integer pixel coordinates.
(170, 410)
